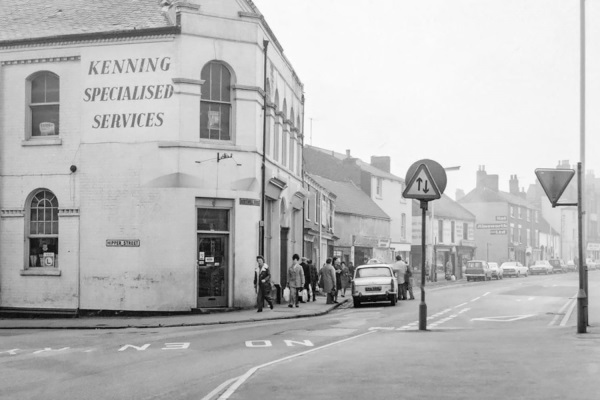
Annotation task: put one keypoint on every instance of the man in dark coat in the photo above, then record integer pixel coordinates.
(307, 280)
(262, 283)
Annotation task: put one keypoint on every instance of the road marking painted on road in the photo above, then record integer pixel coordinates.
(531, 298)
(240, 381)
(219, 388)
(505, 318)
(381, 328)
(476, 298)
(460, 305)
(568, 314)
(486, 294)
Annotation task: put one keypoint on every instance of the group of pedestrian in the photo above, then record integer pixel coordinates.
(405, 280)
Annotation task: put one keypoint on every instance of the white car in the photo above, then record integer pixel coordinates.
(514, 268)
(496, 270)
(374, 282)
(541, 267)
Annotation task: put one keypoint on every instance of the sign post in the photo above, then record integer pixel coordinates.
(423, 187)
(554, 182)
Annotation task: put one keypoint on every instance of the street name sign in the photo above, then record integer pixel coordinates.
(554, 182)
(422, 186)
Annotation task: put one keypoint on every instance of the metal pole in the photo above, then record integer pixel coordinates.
(581, 295)
(423, 306)
(261, 239)
(581, 202)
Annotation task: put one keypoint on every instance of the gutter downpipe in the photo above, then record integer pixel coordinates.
(261, 239)
(302, 177)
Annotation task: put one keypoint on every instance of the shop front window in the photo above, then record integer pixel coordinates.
(42, 232)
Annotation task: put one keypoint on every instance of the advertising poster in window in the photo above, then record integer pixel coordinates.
(214, 118)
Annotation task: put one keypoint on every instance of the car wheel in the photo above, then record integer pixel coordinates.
(518, 274)
(393, 300)
(468, 279)
(546, 272)
(501, 276)
(526, 275)
(356, 303)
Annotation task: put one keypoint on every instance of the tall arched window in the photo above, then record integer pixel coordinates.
(284, 137)
(42, 232)
(292, 141)
(44, 104)
(276, 131)
(215, 106)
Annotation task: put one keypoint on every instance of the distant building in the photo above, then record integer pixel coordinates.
(362, 229)
(450, 234)
(377, 182)
(507, 226)
(319, 220)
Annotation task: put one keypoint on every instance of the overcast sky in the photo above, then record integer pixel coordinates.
(462, 82)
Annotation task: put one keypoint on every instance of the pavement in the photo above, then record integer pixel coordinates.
(280, 311)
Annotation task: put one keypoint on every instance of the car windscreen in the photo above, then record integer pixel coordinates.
(373, 272)
(555, 263)
(509, 264)
(540, 262)
(474, 264)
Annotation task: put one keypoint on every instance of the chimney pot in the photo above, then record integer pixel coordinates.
(348, 152)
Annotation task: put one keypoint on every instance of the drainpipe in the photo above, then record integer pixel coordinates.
(302, 177)
(261, 239)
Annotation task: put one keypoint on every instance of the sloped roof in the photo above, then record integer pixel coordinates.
(34, 19)
(446, 207)
(486, 195)
(351, 200)
(361, 164)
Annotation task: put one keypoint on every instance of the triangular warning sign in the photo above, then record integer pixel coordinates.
(421, 186)
(554, 182)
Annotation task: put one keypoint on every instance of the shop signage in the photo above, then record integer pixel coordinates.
(491, 226)
(384, 243)
(498, 232)
(593, 246)
(467, 243)
(249, 202)
(500, 217)
(122, 242)
(112, 93)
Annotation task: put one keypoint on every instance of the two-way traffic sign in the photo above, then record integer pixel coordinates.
(422, 186)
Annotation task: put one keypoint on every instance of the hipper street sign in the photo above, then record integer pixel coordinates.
(554, 182)
(422, 186)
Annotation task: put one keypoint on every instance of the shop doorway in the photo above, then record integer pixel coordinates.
(213, 269)
(283, 255)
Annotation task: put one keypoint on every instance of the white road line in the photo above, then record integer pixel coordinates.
(568, 314)
(476, 298)
(486, 294)
(218, 390)
(460, 305)
(531, 298)
(240, 381)
(381, 328)
(560, 312)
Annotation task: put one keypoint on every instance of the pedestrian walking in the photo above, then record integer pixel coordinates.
(307, 280)
(295, 280)
(399, 268)
(327, 280)
(345, 278)
(338, 277)
(408, 282)
(351, 268)
(314, 277)
(262, 283)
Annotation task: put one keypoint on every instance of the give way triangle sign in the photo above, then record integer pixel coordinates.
(421, 186)
(554, 182)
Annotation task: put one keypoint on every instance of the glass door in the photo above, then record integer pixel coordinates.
(213, 265)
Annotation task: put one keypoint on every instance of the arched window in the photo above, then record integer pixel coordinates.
(276, 131)
(284, 137)
(42, 232)
(215, 106)
(44, 104)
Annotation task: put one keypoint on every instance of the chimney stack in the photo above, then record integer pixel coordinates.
(513, 185)
(459, 194)
(381, 162)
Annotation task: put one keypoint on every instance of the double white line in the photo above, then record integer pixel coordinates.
(570, 305)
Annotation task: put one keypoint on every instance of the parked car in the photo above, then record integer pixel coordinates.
(592, 264)
(374, 282)
(541, 267)
(558, 265)
(571, 267)
(478, 270)
(514, 268)
(496, 270)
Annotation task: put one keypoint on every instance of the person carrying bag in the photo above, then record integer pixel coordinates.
(262, 284)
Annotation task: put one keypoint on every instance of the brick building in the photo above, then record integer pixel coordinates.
(131, 149)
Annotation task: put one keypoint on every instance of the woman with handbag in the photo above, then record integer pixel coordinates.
(262, 283)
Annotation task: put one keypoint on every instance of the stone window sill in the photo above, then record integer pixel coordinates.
(40, 271)
(46, 141)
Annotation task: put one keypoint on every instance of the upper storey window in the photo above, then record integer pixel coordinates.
(44, 104)
(215, 107)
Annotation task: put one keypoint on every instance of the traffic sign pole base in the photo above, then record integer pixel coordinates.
(422, 316)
